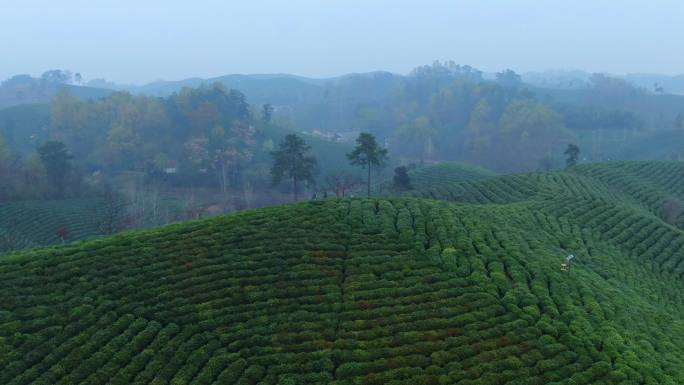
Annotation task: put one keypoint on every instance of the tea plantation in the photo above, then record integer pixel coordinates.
(39, 223)
(466, 290)
(446, 173)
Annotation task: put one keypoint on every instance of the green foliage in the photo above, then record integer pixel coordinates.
(401, 180)
(57, 162)
(366, 154)
(572, 152)
(292, 160)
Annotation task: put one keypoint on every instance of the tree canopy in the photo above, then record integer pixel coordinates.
(57, 162)
(366, 154)
(292, 160)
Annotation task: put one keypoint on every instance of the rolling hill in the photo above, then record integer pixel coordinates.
(463, 290)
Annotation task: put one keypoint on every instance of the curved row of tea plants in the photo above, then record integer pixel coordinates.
(649, 183)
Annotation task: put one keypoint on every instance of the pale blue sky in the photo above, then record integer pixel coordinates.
(143, 40)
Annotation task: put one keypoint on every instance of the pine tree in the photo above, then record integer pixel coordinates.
(367, 153)
(291, 161)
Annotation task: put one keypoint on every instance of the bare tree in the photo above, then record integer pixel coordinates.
(341, 184)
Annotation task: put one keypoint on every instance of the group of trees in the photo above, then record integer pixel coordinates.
(46, 173)
(448, 112)
(292, 161)
(208, 130)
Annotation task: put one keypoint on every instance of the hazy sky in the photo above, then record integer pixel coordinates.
(143, 40)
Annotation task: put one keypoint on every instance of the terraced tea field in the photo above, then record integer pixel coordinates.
(38, 223)
(649, 183)
(366, 291)
(447, 173)
(440, 175)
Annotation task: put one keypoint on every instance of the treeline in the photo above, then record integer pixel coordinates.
(446, 111)
(206, 130)
(46, 173)
(207, 137)
(203, 130)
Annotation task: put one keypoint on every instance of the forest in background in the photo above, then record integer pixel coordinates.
(179, 150)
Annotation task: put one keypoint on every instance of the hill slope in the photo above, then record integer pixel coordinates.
(369, 291)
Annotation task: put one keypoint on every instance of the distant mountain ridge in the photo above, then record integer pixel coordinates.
(23, 89)
(560, 79)
(283, 88)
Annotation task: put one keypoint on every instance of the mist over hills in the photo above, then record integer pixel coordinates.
(275, 88)
(317, 193)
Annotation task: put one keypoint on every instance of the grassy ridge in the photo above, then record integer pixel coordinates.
(372, 291)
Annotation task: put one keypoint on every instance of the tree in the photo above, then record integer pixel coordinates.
(416, 138)
(341, 183)
(267, 113)
(229, 149)
(528, 130)
(57, 162)
(508, 78)
(366, 154)
(401, 180)
(573, 153)
(56, 76)
(291, 160)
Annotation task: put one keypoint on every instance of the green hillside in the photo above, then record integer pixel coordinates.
(369, 291)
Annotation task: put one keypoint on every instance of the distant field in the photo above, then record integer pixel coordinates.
(440, 175)
(446, 173)
(38, 223)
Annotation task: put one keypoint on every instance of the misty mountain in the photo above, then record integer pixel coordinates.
(559, 79)
(24, 89)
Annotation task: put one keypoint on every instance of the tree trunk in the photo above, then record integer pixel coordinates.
(369, 179)
(294, 189)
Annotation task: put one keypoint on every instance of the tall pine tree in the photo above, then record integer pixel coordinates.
(292, 161)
